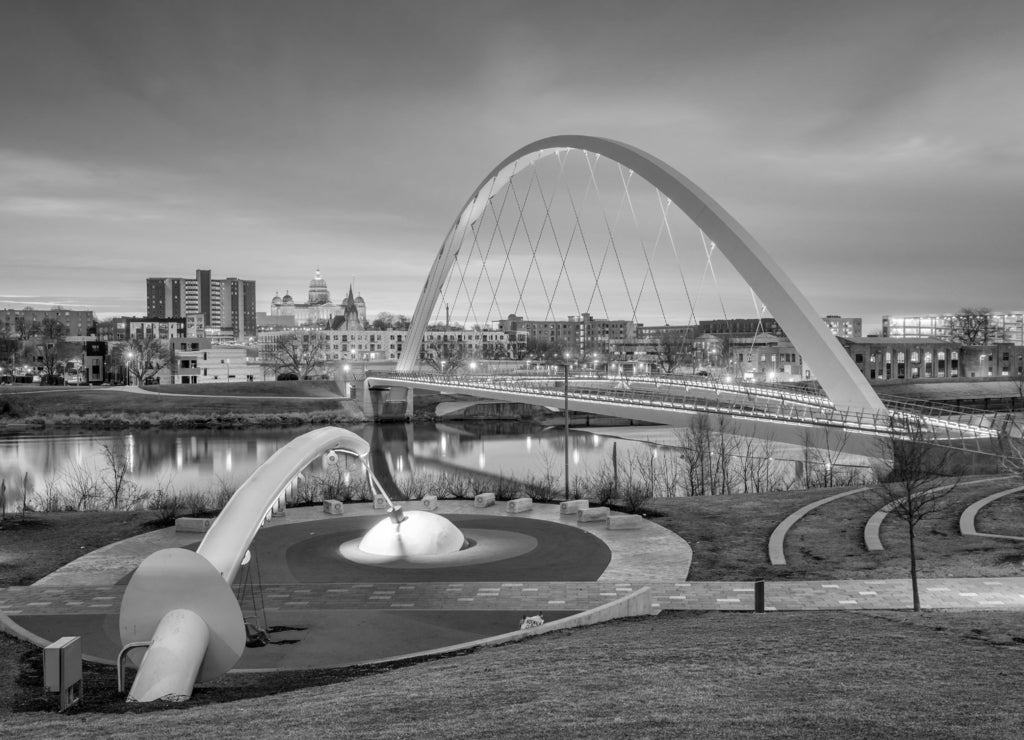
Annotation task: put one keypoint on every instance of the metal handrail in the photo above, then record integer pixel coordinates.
(764, 403)
(122, 658)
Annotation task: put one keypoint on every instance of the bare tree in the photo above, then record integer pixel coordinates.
(47, 346)
(759, 469)
(122, 491)
(9, 345)
(672, 349)
(444, 356)
(823, 450)
(301, 355)
(1011, 444)
(974, 326)
(696, 443)
(142, 357)
(915, 481)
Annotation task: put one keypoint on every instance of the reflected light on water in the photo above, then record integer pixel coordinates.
(228, 462)
(129, 453)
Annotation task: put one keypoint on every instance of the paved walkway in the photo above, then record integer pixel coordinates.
(936, 593)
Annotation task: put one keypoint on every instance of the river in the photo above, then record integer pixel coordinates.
(219, 460)
(209, 459)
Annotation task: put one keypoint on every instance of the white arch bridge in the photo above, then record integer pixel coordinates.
(476, 266)
(785, 415)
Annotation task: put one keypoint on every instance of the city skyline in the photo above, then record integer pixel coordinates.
(875, 151)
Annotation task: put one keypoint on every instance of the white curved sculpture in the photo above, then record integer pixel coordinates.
(838, 376)
(181, 601)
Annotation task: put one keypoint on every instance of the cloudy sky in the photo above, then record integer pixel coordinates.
(876, 149)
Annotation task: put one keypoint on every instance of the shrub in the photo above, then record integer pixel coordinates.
(167, 508)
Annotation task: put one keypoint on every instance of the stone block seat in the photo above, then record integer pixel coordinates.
(192, 524)
(594, 514)
(625, 521)
(519, 505)
(429, 502)
(570, 508)
(332, 506)
(483, 500)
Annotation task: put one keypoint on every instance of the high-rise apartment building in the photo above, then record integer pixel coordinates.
(225, 306)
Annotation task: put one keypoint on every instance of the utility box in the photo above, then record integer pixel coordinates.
(62, 670)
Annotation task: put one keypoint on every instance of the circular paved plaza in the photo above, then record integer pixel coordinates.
(325, 604)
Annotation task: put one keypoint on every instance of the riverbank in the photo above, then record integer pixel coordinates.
(220, 406)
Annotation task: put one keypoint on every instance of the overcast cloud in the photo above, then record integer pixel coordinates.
(876, 149)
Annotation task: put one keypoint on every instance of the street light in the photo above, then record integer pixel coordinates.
(565, 398)
(129, 364)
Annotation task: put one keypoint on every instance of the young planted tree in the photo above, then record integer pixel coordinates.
(915, 481)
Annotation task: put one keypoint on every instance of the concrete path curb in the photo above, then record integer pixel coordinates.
(777, 541)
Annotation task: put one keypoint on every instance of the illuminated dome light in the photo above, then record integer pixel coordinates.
(419, 533)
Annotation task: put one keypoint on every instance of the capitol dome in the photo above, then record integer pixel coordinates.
(318, 292)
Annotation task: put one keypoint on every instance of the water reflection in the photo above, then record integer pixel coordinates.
(202, 458)
(207, 459)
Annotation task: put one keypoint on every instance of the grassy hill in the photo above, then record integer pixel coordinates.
(680, 674)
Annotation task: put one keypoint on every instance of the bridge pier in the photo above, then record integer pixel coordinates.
(387, 403)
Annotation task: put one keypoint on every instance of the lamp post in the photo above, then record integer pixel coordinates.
(565, 398)
(128, 366)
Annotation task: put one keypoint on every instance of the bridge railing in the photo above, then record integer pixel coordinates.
(942, 425)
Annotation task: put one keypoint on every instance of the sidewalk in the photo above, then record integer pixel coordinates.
(936, 593)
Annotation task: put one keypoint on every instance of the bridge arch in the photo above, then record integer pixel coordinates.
(839, 377)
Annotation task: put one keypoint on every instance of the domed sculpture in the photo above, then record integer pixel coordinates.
(412, 534)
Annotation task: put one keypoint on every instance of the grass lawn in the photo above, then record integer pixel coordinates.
(681, 674)
(37, 544)
(729, 536)
(222, 404)
(263, 388)
(1003, 516)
